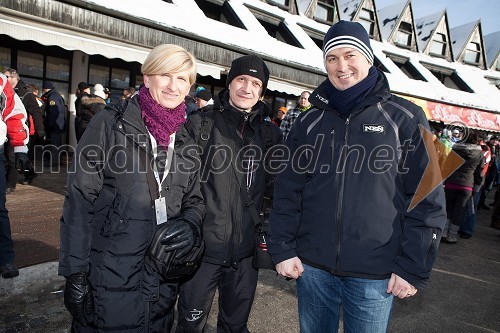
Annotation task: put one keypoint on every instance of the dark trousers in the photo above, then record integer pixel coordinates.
(456, 202)
(11, 173)
(53, 149)
(236, 288)
(6, 243)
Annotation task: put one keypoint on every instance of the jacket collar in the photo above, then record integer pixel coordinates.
(259, 111)
(380, 92)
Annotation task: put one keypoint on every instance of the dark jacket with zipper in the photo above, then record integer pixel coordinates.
(109, 219)
(470, 172)
(344, 205)
(32, 107)
(228, 228)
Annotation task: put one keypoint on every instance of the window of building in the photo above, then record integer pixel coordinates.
(406, 67)
(438, 45)
(404, 35)
(367, 19)
(448, 77)
(5, 58)
(120, 78)
(168, 1)
(221, 11)
(275, 27)
(493, 81)
(99, 74)
(284, 4)
(378, 64)
(472, 54)
(58, 68)
(114, 74)
(36, 63)
(325, 11)
(316, 36)
(29, 63)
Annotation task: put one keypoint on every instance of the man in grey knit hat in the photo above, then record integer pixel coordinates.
(347, 227)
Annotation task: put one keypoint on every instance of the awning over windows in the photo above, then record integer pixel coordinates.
(286, 87)
(74, 40)
(457, 115)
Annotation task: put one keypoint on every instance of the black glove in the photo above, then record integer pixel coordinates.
(78, 298)
(22, 162)
(178, 235)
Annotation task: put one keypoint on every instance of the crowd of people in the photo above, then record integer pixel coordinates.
(149, 223)
(466, 187)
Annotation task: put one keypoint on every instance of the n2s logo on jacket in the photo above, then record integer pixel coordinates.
(368, 128)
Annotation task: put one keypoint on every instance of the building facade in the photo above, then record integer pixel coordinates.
(446, 71)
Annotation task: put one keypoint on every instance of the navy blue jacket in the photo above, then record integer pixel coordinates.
(343, 203)
(55, 112)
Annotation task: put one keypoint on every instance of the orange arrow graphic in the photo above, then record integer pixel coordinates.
(434, 175)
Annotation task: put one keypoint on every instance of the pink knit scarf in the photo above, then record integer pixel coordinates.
(161, 122)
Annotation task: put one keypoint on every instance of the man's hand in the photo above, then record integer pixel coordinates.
(22, 162)
(290, 268)
(400, 287)
(178, 235)
(78, 298)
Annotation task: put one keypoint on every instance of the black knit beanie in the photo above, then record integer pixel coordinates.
(204, 95)
(348, 34)
(249, 65)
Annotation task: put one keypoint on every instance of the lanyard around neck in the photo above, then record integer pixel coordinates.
(168, 162)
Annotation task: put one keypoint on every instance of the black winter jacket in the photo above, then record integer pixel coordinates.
(343, 205)
(32, 107)
(470, 172)
(89, 105)
(228, 229)
(109, 219)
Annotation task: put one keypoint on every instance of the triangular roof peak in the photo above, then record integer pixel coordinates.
(397, 25)
(348, 9)
(467, 41)
(388, 18)
(433, 35)
(308, 8)
(492, 47)
(362, 11)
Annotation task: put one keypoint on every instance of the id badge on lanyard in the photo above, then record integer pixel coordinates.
(161, 203)
(161, 210)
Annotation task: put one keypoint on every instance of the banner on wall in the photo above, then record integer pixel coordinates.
(452, 114)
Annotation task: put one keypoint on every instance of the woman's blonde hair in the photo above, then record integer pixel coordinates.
(169, 58)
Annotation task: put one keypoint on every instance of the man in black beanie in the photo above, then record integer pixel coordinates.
(346, 228)
(234, 137)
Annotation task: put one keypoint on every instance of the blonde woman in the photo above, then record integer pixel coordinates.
(113, 209)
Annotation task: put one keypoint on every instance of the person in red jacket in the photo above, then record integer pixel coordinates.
(12, 126)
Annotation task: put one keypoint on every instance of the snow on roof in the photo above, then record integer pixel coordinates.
(388, 17)
(426, 26)
(256, 40)
(460, 35)
(347, 9)
(492, 47)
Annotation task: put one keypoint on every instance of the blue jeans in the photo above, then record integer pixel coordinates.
(6, 243)
(366, 306)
